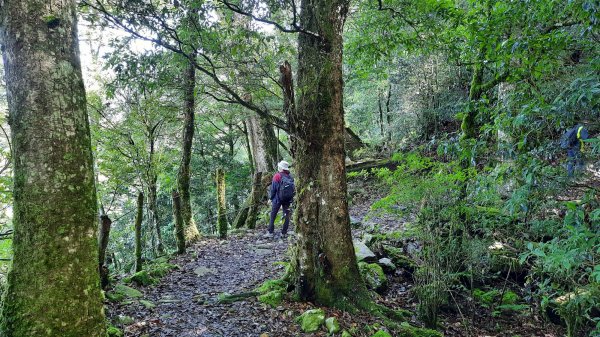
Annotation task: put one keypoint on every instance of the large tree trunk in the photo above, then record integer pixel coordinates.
(103, 235)
(263, 143)
(256, 199)
(53, 286)
(190, 232)
(221, 210)
(179, 226)
(138, 232)
(325, 269)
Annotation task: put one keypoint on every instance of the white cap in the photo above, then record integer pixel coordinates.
(283, 166)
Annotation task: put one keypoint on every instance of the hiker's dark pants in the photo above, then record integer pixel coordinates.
(286, 213)
(574, 161)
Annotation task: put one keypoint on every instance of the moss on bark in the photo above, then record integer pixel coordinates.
(54, 285)
(221, 210)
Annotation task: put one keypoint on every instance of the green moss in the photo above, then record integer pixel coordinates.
(488, 298)
(381, 333)
(114, 297)
(408, 330)
(311, 320)
(399, 259)
(142, 278)
(346, 334)
(125, 320)
(373, 275)
(272, 298)
(271, 285)
(333, 325)
(147, 304)
(126, 291)
(153, 272)
(113, 331)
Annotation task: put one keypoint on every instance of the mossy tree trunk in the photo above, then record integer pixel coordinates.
(103, 235)
(179, 224)
(138, 232)
(221, 210)
(53, 287)
(153, 208)
(258, 190)
(325, 268)
(190, 232)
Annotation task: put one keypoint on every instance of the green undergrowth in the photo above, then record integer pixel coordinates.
(272, 292)
(152, 272)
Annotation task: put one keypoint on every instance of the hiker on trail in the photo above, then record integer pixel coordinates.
(572, 141)
(281, 195)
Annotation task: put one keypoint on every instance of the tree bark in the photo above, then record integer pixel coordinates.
(138, 232)
(190, 232)
(325, 270)
(221, 210)
(258, 191)
(153, 207)
(103, 235)
(179, 224)
(248, 146)
(263, 143)
(53, 287)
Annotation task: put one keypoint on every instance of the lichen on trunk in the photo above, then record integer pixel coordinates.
(179, 226)
(221, 210)
(325, 269)
(54, 285)
(138, 232)
(190, 232)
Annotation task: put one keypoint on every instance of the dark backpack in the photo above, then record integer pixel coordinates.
(287, 189)
(569, 139)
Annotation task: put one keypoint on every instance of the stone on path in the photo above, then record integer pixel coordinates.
(387, 265)
(363, 253)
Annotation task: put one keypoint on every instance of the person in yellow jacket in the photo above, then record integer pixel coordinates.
(572, 141)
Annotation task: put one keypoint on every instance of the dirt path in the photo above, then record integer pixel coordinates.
(185, 299)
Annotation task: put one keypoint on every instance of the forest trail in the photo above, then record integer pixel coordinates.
(186, 300)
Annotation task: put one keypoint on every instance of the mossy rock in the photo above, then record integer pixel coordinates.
(311, 320)
(114, 297)
(363, 253)
(113, 331)
(160, 267)
(125, 320)
(122, 292)
(399, 259)
(373, 275)
(408, 330)
(346, 334)
(272, 298)
(142, 278)
(147, 304)
(333, 325)
(381, 333)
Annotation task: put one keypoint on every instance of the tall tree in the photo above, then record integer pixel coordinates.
(190, 232)
(326, 269)
(54, 286)
(221, 212)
